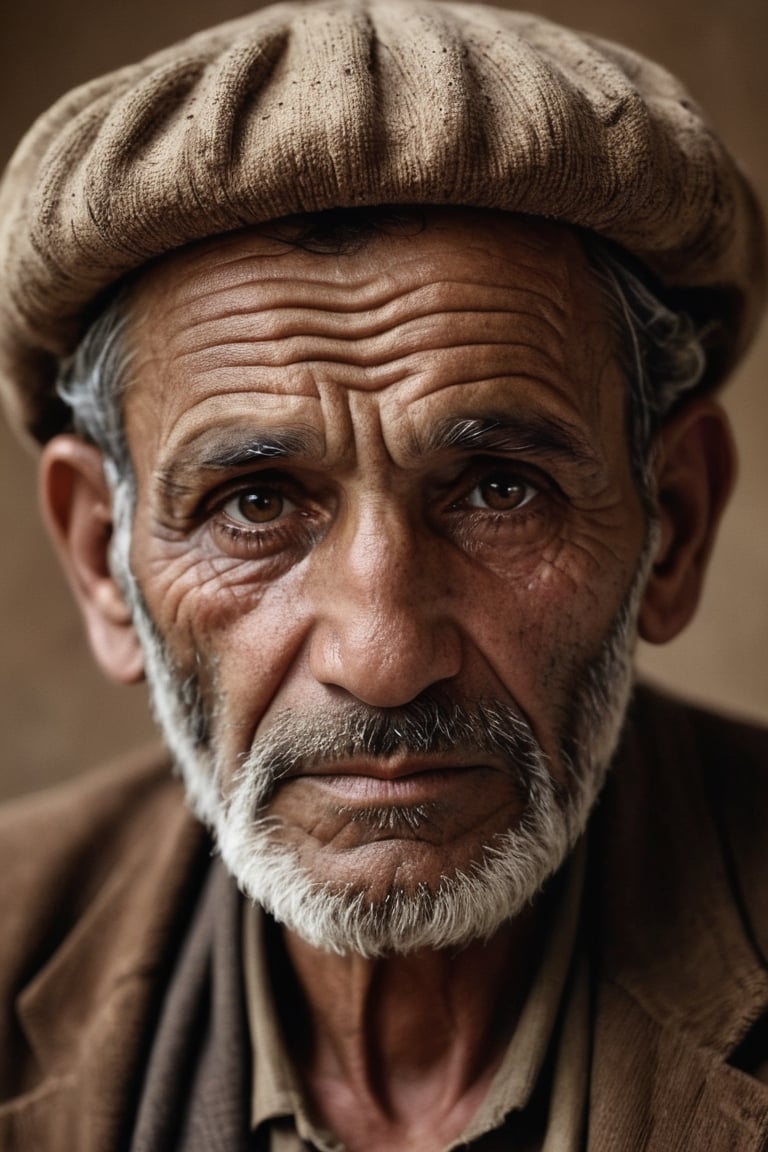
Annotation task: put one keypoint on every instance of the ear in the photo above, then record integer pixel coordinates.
(77, 506)
(695, 473)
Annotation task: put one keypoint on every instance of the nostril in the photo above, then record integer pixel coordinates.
(384, 663)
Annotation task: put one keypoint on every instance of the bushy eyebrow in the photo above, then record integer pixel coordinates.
(227, 450)
(540, 435)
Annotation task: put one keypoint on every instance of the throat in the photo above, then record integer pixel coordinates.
(399, 1052)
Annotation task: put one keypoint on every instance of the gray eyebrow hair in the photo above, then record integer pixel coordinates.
(269, 446)
(220, 451)
(502, 432)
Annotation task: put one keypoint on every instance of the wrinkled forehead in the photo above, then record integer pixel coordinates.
(410, 306)
(376, 345)
(335, 247)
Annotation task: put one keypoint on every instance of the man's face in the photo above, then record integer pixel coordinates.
(374, 483)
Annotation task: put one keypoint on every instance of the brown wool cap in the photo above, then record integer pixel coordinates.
(300, 107)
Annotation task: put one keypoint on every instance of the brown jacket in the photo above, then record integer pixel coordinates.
(99, 878)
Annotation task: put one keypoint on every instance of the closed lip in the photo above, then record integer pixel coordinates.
(394, 768)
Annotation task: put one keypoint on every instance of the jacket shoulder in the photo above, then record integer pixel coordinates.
(732, 753)
(97, 879)
(45, 828)
(59, 847)
(727, 759)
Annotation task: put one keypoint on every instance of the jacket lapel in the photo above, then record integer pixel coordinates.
(679, 980)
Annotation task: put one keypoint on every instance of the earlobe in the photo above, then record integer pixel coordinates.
(77, 507)
(695, 474)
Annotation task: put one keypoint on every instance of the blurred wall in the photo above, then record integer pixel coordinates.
(56, 714)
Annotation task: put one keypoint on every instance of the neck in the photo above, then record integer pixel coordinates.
(410, 1042)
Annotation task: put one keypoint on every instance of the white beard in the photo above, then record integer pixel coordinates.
(466, 905)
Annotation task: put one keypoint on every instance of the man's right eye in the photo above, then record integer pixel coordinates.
(257, 504)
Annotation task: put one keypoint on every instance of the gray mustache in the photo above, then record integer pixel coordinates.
(297, 741)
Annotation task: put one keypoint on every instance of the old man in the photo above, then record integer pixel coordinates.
(372, 350)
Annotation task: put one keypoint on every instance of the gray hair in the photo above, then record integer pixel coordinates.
(93, 381)
(659, 351)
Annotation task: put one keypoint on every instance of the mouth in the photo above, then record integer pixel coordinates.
(398, 781)
(435, 798)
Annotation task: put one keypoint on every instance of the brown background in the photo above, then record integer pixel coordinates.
(56, 714)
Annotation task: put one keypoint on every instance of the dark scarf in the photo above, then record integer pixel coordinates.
(195, 1096)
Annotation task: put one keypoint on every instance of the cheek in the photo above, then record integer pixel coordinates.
(536, 630)
(237, 634)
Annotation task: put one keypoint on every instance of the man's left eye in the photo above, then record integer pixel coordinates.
(260, 504)
(501, 492)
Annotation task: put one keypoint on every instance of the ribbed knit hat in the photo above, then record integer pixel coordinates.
(303, 107)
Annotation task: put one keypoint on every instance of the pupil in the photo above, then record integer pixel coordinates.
(260, 506)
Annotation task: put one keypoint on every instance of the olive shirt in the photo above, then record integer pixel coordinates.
(101, 882)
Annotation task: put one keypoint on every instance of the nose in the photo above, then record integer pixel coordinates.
(382, 631)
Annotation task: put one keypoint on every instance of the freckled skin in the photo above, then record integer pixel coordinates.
(389, 568)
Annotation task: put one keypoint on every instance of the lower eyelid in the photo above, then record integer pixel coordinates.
(256, 543)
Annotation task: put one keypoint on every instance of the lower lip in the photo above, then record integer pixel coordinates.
(415, 788)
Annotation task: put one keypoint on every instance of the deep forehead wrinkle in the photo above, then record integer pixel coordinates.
(358, 293)
(294, 343)
(349, 318)
(227, 449)
(352, 286)
(543, 435)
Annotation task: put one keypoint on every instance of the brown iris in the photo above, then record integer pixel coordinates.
(260, 505)
(502, 493)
